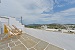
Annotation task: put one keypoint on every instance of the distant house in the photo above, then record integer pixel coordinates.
(44, 27)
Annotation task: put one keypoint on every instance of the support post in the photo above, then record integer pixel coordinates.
(21, 19)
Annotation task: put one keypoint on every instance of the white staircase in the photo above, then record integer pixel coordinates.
(13, 21)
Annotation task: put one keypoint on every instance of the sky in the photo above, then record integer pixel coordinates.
(40, 11)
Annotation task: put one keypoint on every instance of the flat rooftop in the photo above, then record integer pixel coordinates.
(25, 42)
(35, 39)
(61, 40)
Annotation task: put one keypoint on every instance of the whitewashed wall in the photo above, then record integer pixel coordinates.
(11, 21)
(2, 22)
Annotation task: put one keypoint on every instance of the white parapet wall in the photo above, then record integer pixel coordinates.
(51, 29)
(11, 21)
(63, 30)
(0, 27)
(3, 20)
(72, 31)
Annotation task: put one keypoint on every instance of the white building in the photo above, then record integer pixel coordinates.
(44, 27)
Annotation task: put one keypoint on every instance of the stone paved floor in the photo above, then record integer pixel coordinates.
(25, 42)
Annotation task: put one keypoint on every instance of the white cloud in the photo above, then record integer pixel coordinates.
(30, 9)
(66, 16)
(37, 6)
